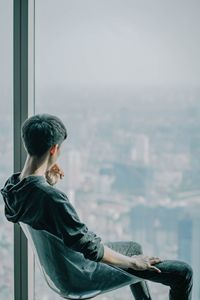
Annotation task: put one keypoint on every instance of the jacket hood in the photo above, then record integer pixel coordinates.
(15, 193)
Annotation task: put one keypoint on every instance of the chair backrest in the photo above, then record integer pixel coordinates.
(68, 273)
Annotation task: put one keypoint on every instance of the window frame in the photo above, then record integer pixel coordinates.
(23, 107)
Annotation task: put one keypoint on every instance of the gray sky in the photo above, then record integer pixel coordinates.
(108, 42)
(117, 42)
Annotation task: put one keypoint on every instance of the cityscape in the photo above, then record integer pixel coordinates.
(132, 171)
(131, 165)
(124, 78)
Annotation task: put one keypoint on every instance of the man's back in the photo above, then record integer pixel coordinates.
(33, 201)
(61, 242)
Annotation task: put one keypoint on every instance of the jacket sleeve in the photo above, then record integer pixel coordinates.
(73, 232)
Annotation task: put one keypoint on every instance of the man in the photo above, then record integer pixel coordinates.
(30, 197)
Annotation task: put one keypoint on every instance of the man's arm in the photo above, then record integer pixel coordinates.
(76, 235)
(136, 262)
(88, 243)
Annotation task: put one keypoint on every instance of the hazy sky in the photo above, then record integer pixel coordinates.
(108, 42)
(117, 42)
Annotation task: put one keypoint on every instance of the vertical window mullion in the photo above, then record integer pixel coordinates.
(23, 107)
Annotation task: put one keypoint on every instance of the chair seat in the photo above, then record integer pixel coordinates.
(68, 272)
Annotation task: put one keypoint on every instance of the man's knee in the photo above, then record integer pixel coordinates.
(134, 249)
(187, 272)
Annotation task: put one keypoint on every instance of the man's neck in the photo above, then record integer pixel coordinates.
(34, 166)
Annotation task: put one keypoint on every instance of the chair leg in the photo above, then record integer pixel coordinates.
(140, 291)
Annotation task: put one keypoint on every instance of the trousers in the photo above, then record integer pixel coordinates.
(176, 274)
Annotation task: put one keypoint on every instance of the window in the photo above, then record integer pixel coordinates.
(6, 141)
(123, 76)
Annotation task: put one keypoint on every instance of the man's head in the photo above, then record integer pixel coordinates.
(42, 135)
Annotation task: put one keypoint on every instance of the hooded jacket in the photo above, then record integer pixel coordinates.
(33, 201)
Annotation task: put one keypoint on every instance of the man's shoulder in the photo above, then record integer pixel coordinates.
(51, 192)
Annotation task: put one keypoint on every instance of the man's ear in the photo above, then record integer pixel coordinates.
(53, 149)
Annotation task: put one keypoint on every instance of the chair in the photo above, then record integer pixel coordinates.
(66, 271)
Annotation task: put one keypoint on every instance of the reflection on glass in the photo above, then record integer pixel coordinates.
(112, 71)
(6, 149)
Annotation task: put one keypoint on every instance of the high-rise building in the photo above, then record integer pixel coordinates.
(73, 169)
(196, 255)
(140, 150)
(189, 244)
(185, 227)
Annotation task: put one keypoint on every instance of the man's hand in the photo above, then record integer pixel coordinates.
(54, 174)
(135, 262)
(142, 262)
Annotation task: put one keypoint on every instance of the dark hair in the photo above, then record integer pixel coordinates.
(42, 131)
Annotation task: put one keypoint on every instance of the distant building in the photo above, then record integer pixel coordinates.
(189, 244)
(73, 170)
(185, 228)
(195, 150)
(140, 150)
(196, 255)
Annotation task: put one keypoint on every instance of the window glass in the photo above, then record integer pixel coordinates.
(124, 78)
(6, 141)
